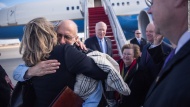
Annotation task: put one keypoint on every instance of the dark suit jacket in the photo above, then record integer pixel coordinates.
(135, 41)
(172, 87)
(148, 63)
(93, 44)
(73, 62)
(149, 68)
(5, 89)
(136, 83)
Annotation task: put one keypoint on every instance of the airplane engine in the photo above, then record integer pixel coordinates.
(143, 20)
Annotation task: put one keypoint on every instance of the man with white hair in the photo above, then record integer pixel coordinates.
(99, 41)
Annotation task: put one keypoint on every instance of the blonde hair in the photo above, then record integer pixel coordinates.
(38, 41)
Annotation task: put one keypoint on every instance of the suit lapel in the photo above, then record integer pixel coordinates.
(185, 50)
(97, 44)
(137, 42)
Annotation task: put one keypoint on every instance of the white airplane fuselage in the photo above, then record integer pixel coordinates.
(14, 18)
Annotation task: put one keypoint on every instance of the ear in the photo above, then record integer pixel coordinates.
(180, 3)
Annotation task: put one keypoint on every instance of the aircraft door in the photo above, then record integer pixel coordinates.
(97, 3)
(11, 14)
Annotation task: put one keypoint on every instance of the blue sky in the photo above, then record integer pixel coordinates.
(4, 3)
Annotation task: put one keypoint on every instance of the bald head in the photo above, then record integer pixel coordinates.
(150, 32)
(67, 32)
(68, 25)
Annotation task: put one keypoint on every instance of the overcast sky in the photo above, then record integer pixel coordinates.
(5, 3)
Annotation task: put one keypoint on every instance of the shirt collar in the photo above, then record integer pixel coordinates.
(184, 39)
(100, 39)
(138, 38)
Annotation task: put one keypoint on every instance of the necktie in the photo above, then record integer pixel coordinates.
(101, 46)
(172, 53)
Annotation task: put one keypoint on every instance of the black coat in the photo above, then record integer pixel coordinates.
(136, 82)
(135, 41)
(93, 44)
(5, 89)
(148, 65)
(172, 87)
(73, 62)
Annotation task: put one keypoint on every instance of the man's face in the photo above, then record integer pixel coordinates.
(161, 11)
(66, 34)
(138, 34)
(150, 33)
(101, 30)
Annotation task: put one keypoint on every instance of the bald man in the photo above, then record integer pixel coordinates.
(67, 32)
(172, 87)
(146, 60)
(138, 40)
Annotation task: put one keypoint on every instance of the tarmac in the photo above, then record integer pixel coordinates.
(10, 58)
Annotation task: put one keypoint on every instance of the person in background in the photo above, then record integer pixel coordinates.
(138, 40)
(102, 44)
(146, 61)
(171, 86)
(99, 41)
(130, 71)
(6, 88)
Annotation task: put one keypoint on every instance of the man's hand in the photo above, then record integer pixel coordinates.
(158, 39)
(42, 68)
(81, 45)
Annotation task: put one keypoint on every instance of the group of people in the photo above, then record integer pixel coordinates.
(151, 73)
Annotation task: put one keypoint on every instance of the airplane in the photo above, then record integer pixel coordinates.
(14, 18)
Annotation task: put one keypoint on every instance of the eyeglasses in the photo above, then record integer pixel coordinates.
(65, 36)
(138, 33)
(149, 3)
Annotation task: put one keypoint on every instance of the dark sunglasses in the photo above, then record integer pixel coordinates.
(65, 36)
(138, 33)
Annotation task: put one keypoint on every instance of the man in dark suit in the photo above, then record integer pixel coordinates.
(103, 44)
(171, 88)
(146, 61)
(147, 64)
(99, 41)
(138, 40)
